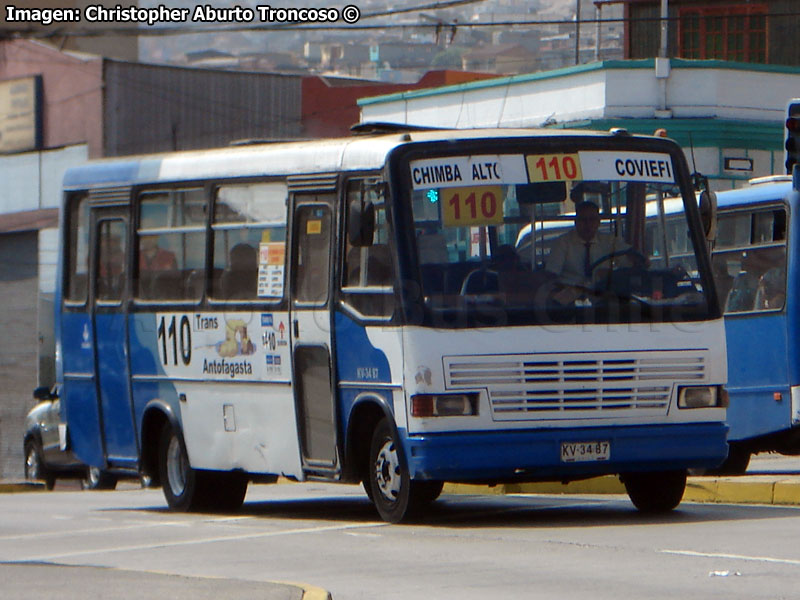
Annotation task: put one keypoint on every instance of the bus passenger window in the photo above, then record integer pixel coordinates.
(77, 271)
(111, 260)
(249, 241)
(313, 254)
(761, 283)
(171, 245)
(368, 275)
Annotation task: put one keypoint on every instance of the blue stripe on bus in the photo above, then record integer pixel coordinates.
(536, 453)
(117, 172)
(356, 358)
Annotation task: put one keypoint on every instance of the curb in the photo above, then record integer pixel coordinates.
(14, 487)
(731, 490)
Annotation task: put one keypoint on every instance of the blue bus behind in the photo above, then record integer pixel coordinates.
(756, 271)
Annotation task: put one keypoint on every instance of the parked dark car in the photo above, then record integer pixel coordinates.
(47, 456)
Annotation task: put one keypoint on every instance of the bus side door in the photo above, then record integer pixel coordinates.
(109, 322)
(313, 375)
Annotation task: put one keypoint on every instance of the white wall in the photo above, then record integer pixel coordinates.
(32, 180)
(595, 92)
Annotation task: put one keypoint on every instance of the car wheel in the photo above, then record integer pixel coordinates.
(97, 479)
(35, 467)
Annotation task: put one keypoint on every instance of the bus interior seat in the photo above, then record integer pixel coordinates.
(166, 285)
(433, 278)
(481, 281)
(193, 286)
(240, 279)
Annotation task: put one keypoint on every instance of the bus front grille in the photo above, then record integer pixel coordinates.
(569, 385)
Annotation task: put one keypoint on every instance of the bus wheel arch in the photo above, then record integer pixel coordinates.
(364, 417)
(155, 418)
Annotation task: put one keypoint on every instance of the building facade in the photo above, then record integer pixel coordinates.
(752, 31)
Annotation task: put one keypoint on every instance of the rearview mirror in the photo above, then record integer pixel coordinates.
(708, 213)
(42, 393)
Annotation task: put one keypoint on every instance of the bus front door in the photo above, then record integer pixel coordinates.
(311, 331)
(109, 321)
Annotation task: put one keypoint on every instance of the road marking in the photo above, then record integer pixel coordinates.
(138, 525)
(767, 559)
(209, 540)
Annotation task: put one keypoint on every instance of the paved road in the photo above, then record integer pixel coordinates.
(71, 541)
(468, 547)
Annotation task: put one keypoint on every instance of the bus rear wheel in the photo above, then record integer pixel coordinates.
(188, 489)
(656, 492)
(179, 480)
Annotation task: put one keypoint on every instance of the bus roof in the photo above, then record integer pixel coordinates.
(756, 193)
(359, 152)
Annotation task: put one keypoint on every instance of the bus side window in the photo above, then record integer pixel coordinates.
(111, 260)
(752, 249)
(170, 244)
(368, 274)
(77, 268)
(249, 241)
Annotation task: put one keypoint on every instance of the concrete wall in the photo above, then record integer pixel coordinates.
(19, 347)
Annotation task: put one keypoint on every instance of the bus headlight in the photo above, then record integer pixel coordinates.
(444, 405)
(706, 396)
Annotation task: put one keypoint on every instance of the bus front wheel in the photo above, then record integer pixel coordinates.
(388, 474)
(393, 492)
(655, 493)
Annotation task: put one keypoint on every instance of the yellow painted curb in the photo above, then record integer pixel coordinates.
(608, 484)
(786, 492)
(311, 592)
(733, 490)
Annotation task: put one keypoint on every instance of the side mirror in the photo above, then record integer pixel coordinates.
(42, 393)
(361, 223)
(708, 214)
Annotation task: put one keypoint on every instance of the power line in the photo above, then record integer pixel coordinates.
(294, 27)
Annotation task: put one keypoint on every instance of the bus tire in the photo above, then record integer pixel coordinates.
(223, 490)
(425, 493)
(735, 463)
(655, 492)
(388, 474)
(180, 481)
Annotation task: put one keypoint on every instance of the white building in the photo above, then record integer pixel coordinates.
(728, 117)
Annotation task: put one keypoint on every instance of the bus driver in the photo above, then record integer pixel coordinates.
(576, 254)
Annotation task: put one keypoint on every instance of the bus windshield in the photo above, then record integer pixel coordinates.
(554, 238)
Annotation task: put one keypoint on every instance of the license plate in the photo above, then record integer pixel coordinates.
(585, 451)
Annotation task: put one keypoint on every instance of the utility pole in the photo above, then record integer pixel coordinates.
(578, 32)
(664, 28)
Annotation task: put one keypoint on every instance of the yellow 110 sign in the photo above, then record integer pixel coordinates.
(480, 205)
(554, 167)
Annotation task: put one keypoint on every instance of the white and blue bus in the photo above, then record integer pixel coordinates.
(338, 310)
(755, 271)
